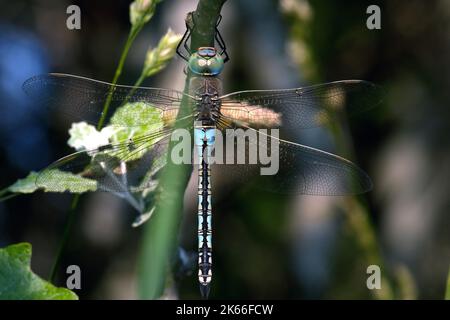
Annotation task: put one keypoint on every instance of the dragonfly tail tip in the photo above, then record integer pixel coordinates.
(204, 290)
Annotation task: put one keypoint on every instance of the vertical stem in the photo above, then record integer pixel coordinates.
(160, 234)
(358, 218)
(65, 237)
(447, 292)
(131, 36)
(136, 84)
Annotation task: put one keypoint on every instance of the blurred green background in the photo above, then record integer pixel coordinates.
(265, 245)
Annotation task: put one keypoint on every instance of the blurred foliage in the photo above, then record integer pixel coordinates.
(329, 41)
(18, 282)
(129, 121)
(402, 144)
(157, 59)
(141, 11)
(447, 291)
(60, 182)
(317, 33)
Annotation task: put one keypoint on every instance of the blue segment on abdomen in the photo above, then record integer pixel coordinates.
(204, 134)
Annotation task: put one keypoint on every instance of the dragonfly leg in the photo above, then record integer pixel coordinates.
(188, 51)
(186, 47)
(222, 46)
(184, 40)
(220, 41)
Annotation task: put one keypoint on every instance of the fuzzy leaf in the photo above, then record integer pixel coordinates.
(18, 282)
(25, 185)
(59, 181)
(135, 120)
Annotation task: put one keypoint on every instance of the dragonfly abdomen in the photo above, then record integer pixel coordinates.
(204, 142)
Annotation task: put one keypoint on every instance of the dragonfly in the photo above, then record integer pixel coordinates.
(131, 164)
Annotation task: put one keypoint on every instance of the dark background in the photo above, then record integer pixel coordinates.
(265, 245)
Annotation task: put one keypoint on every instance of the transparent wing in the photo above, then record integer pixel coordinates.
(300, 107)
(291, 167)
(121, 168)
(82, 99)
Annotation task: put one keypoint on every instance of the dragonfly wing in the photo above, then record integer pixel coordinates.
(120, 168)
(300, 107)
(82, 99)
(287, 167)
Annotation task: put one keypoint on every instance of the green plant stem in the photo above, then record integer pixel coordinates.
(9, 196)
(4, 191)
(65, 236)
(5, 196)
(139, 81)
(160, 234)
(447, 292)
(358, 216)
(304, 31)
(135, 85)
(131, 36)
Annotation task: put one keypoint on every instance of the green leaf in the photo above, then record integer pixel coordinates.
(56, 181)
(133, 121)
(18, 282)
(137, 117)
(25, 185)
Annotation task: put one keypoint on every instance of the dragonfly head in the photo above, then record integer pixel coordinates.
(206, 62)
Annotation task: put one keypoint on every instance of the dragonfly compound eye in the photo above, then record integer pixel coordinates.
(206, 62)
